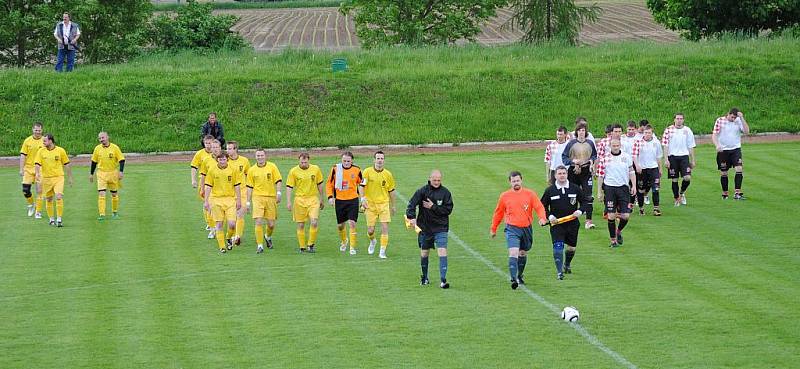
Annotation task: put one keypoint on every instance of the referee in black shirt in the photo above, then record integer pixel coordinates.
(564, 199)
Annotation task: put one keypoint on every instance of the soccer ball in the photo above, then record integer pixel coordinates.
(570, 314)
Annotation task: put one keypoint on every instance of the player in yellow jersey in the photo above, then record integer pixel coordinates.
(305, 180)
(197, 160)
(223, 198)
(264, 194)
(51, 161)
(242, 164)
(377, 199)
(27, 169)
(109, 162)
(209, 162)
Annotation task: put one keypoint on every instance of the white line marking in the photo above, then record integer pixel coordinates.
(582, 331)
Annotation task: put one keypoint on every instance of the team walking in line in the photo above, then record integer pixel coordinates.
(625, 168)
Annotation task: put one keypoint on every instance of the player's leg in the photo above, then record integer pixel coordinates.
(425, 243)
(557, 236)
(525, 243)
(341, 229)
(686, 173)
(353, 233)
(571, 242)
(722, 165)
(48, 194)
(101, 203)
(384, 239)
(301, 236)
(654, 189)
(59, 195)
(672, 174)
(218, 217)
(28, 194)
(440, 239)
(610, 208)
(641, 190)
(300, 216)
(624, 210)
(588, 188)
(513, 238)
(259, 231)
(736, 158)
(313, 215)
(39, 199)
(372, 219)
(271, 216)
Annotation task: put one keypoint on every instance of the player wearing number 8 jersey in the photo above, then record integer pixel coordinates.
(108, 161)
(305, 181)
(378, 201)
(264, 192)
(51, 163)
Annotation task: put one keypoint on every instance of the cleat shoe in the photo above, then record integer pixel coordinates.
(52, 222)
(260, 249)
(101, 218)
(657, 212)
(302, 250)
(619, 238)
(229, 244)
(444, 285)
(382, 254)
(115, 216)
(237, 240)
(212, 234)
(371, 249)
(37, 215)
(641, 211)
(423, 281)
(269, 242)
(677, 202)
(724, 195)
(222, 251)
(683, 199)
(31, 210)
(647, 199)
(520, 280)
(353, 251)
(739, 196)
(567, 269)
(613, 244)
(208, 228)
(589, 224)
(560, 276)
(514, 284)
(59, 224)
(343, 247)
(311, 249)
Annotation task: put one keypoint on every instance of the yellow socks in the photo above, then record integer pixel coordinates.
(342, 235)
(259, 234)
(312, 235)
(239, 227)
(39, 203)
(101, 205)
(220, 240)
(301, 238)
(384, 241)
(59, 207)
(29, 200)
(269, 231)
(49, 207)
(230, 233)
(114, 203)
(352, 238)
(209, 219)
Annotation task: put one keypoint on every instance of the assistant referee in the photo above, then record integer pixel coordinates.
(562, 199)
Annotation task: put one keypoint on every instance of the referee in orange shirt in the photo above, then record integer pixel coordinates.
(516, 206)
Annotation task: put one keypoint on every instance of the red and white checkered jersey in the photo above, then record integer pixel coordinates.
(552, 154)
(678, 140)
(650, 153)
(630, 145)
(601, 146)
(615, 169)
(729, 134)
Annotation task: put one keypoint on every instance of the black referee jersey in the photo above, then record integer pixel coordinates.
(561, 202)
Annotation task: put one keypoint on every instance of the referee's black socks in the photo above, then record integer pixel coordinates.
(423, 261)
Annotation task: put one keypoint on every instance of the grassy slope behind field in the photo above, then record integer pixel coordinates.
(403, 95)
(710, 285)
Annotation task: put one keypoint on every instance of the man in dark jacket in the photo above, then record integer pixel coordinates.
(213, 127)
(564, 202)
(432, 223)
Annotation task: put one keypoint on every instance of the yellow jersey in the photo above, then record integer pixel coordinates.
(241, 164)
(223, 181)
(377, 185)
(207, 163)
(198, 158)
(305, 181)
(52, 161)
(107, 158)
(30, 147)
(263, 179)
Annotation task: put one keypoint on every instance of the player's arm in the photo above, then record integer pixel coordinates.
(497, 217)
(22, 157)
(206, 195)
(565, 154)
(584, 200)
(321, 195)
(194, 177)
(632, 176)
(745, 128)
(330, 185)
(278, 185)
(715, 135)
(600, 177)
(237, 188)
(392, 196)
(538, 207)
(289, 190)
(547, 154)
(38, 172)
(413, 203)
(121, 168)
(362, 196)
(545, 200)
(659, 159)
(92, 168)
(693, 163)
(249, 197)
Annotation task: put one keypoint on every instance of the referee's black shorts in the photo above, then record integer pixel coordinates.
(346, 210)
(566, 232)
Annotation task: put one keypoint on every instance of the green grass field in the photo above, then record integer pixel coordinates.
(401, 95)
(714, 284)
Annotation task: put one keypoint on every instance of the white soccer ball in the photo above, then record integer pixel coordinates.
(570, 314)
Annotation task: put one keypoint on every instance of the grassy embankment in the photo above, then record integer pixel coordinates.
(403, 95)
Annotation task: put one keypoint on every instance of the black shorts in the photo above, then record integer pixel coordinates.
(679, 166)
(583, 180)
(617, 199)
(648, 179)
(566, 232)
(346, 210)
(729, 158)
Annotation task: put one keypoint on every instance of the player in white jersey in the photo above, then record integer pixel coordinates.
(615, 173)
(552, 154)
(727, 137)
(648, 170)
(630, 146)
(678, 141)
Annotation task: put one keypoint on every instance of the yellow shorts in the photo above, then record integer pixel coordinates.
(264, 207)
(52, 185)
(378, 212)
(29, 175)
(305, 208)
(108, 181)
(223, 209)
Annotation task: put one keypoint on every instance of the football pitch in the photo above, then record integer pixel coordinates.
(713, 284)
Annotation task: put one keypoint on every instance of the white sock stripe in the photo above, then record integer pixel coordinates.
(582, 331)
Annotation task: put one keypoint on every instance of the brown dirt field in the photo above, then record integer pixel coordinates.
(326, 28)
(394, 149)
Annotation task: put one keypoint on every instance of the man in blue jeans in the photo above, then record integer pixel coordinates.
(67, 34)
(435, 205)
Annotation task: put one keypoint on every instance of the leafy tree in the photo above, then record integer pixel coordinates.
(112, 30)
(548, 20)
(418, 22)
(697, 19)
(193, 26)
(26, 36)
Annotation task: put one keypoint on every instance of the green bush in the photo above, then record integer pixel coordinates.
(194, 27)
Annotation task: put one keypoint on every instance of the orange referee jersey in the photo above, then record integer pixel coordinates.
(351, 177)
(517, 208)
